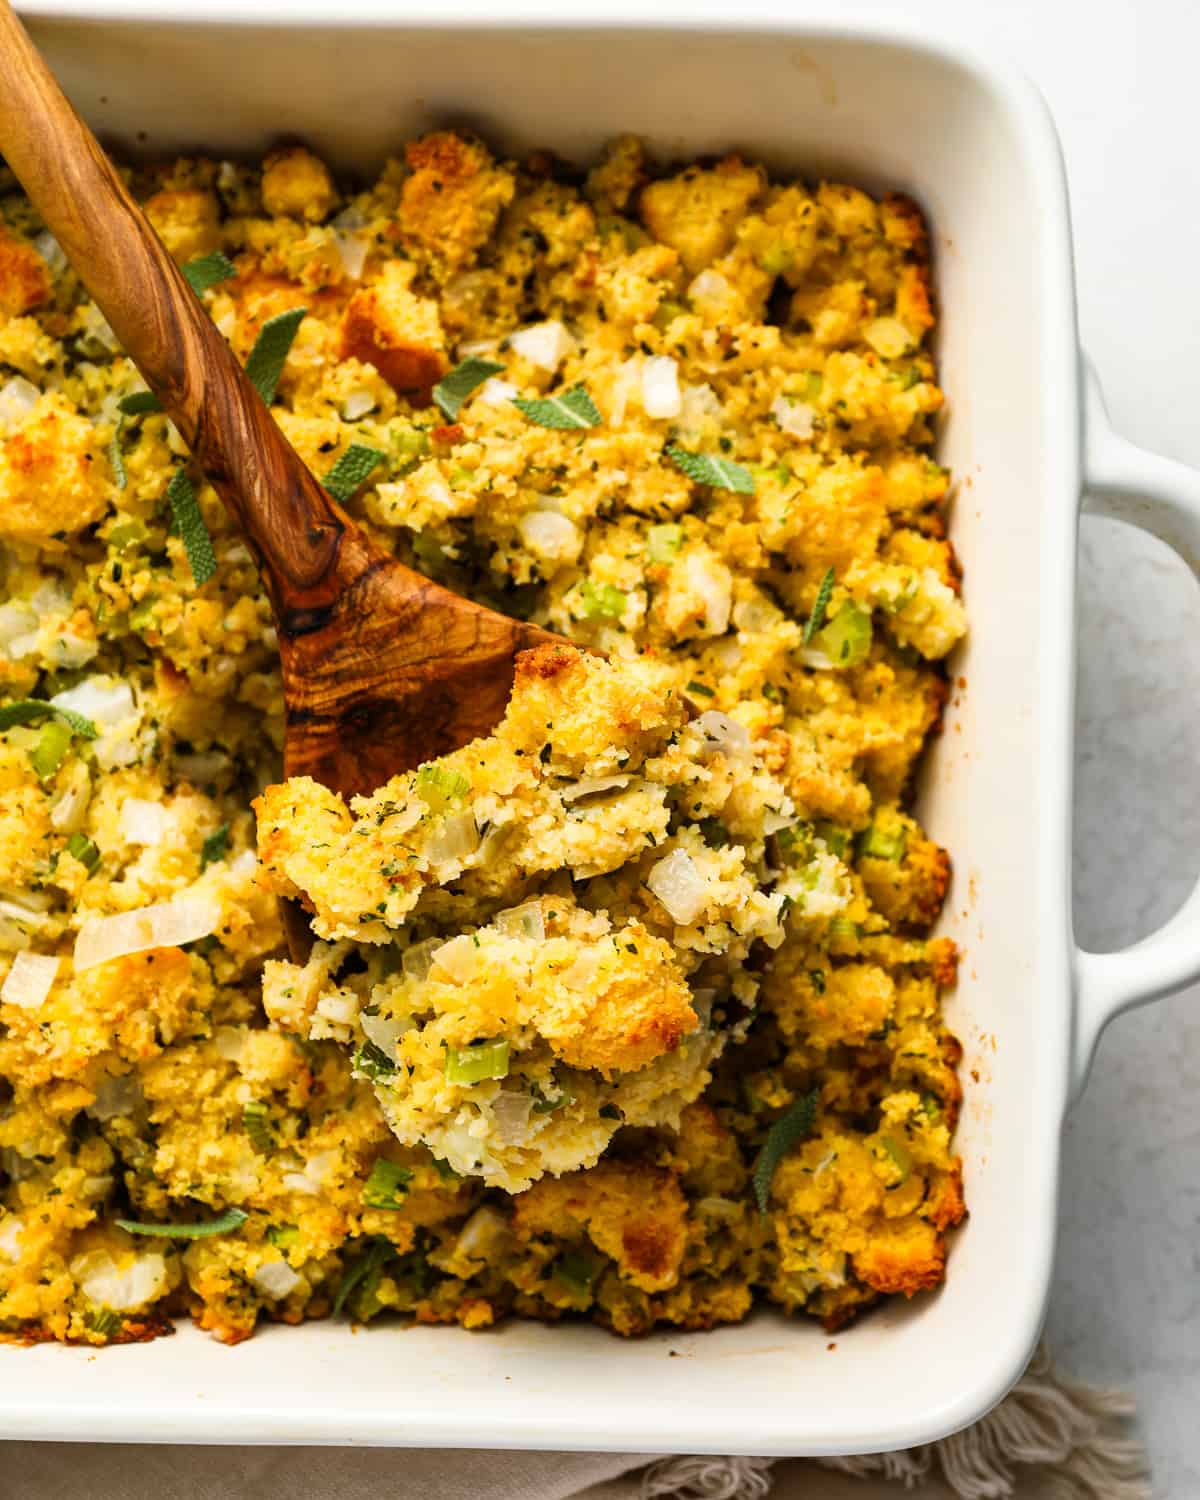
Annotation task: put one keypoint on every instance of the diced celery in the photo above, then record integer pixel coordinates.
(901, 1157)
(667, 312)
(126, 534)
(283, 1236)
(601, 601)
(257, 1125)
(408, 444)
(577, 1270)
(813, 384)
(847, 638)
(777, 258)
(663, 542)
(142, 614)
(51, 749)
(439, 787)
(878, 844)
(387, 1185)
(844, 928)
(80, 847)
(479, 1061)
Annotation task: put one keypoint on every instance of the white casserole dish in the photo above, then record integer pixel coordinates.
(974, 144)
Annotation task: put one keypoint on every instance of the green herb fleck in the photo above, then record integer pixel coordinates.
(215, 847)
(792, 1126)
(207, 270)
(138, 403)
(573, 410)
(103, 1321)
(386, 1187)
(271, 349)
(817, 618)
(33, 710)
(181, 495)
(698, 687)
(351, 470)
(706, 468)
(226, 1223)
(365, 1269)
(373, 1062)
(453, 389)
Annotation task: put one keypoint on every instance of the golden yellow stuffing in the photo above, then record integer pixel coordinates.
(566, 981)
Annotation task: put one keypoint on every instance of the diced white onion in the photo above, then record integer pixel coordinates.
(276, 1280)
(11, 1228)
(710, 286)
(17, 620)
(29, 980)
(590, 786)
(116, 1095)
(109, 703)
(101, 1281)
(510, 1112)
(774, 821)
(96, 328)
(384, 1032)
(202, 765)
(545, 345)
(166, 924)
(66, 815)
(709, 578)
(341, 1008)
(721, 732)
(352, 251)
(680, 887)
(660, 387)
(497, 392)
(357, 404)
(697, 404)
(455, 838)
(417, 959)
(312, 1177)
(18, 397)
(795, 417)
(888, 337)
(522, 921)
(104, 700)
(51, 252)
(351, 217)
(583, 970)
(143, 821)
(481, 1231)
(458, 959)
(624, 381)
(551, 535)
(481, 348)
(229, 1042)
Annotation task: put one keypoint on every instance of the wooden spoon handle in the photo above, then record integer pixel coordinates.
(291, 520)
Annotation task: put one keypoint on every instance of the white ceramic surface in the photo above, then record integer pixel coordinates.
(975, 146)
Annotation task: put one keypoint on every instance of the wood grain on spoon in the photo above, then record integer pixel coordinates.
(382, 669)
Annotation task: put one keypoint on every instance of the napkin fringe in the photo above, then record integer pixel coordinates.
(1069, 1431)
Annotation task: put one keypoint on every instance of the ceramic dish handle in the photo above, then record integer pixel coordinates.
(1162, 497)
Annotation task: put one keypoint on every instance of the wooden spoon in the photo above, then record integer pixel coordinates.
(382, 669)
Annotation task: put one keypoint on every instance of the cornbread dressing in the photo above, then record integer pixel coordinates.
(628, 1010)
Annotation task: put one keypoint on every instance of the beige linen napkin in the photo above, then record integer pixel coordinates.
(1052, 1439)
